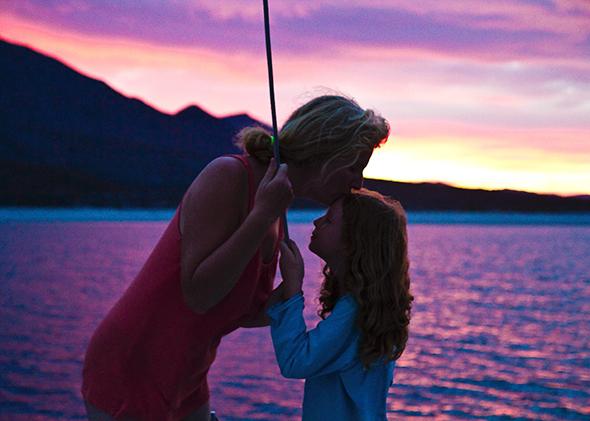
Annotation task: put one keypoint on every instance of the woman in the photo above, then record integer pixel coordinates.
(212, 270)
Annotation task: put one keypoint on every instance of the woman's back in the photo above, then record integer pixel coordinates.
(150, 355)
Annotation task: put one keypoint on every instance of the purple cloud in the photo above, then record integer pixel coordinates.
(508, 33)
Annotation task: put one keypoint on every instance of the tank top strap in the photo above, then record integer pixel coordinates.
(251, 192)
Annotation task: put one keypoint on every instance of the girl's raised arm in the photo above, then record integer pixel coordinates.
(330, 347)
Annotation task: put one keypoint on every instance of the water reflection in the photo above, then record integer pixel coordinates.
(501, 324)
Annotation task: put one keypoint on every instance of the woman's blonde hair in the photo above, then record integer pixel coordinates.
(377, 274)
(327, 128)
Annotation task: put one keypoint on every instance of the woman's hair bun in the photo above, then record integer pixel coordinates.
(257, 142)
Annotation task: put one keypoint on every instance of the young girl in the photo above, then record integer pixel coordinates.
(348, 359)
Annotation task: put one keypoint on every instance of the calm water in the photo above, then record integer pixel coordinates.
(501, 326)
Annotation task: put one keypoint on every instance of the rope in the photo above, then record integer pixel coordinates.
(271, 87)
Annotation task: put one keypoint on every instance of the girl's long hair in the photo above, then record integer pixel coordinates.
(377, 274)
(325, 129)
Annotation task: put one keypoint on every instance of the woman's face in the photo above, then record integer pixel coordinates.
(326, 238)
(339, 179)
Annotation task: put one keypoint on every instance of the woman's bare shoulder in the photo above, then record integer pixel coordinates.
(223, 166)
(223, 182)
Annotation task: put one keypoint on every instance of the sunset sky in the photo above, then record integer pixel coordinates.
(479, 93)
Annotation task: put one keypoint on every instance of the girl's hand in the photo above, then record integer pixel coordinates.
(292, 269)
(274, 194)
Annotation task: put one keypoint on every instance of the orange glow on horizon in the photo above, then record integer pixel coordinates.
(439, 160)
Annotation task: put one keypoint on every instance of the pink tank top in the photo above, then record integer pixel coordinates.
(149, 358)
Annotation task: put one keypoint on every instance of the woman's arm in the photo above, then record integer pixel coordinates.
(216, 247)
(330, 347)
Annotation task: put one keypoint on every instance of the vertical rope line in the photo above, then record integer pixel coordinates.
(271, 86)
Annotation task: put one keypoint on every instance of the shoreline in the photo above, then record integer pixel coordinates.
(86, 214)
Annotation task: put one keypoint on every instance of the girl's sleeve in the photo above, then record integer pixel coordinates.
(330, 347)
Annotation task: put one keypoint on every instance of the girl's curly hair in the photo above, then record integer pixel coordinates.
(377, 274)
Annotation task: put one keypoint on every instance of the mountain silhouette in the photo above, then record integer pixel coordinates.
(442, 197)
(70, 140)
(62, 132)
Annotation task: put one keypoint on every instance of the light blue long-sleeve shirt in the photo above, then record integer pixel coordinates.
(337, 387)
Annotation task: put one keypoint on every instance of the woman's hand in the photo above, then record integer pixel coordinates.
(292, 269)
(274, 194)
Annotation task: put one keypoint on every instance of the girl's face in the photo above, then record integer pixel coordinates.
(326, 238)
(339, 180)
